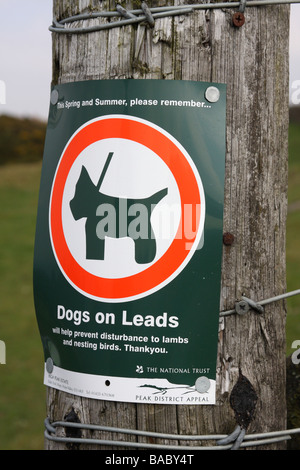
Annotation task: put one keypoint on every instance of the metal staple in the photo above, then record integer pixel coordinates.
(151, 14)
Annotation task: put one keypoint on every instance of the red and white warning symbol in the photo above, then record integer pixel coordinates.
(127, 209)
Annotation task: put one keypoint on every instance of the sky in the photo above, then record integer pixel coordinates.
(26, 57)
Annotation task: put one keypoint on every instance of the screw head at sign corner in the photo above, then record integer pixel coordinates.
(202, 384)
(212, 94)
(54, 97)
(49, 365)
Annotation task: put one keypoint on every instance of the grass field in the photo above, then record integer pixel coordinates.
(22, 394)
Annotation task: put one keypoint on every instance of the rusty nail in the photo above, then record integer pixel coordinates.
(238, 19)
(228, 239)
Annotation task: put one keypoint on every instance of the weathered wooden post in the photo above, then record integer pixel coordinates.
(252, 59)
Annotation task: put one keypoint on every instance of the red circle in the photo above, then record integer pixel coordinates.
(163, 268)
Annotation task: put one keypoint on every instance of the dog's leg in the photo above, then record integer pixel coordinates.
(95, 247)
(145, 250)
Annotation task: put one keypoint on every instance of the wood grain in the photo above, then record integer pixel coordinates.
(253, 61)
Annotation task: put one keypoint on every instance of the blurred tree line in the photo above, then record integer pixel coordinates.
(21, 139)
(295, 114)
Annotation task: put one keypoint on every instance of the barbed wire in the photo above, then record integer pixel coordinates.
(149, 14)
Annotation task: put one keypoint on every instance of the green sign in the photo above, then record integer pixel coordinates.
(128, 245)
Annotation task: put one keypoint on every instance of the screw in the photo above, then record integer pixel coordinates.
(212, 94)
(54, 97)
(241, 307)
(49, 365)
(238, 19)
(202, 384)
(228, 239)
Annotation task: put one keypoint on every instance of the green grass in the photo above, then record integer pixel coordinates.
(293, 237)
(294, 163)
(293, 278)
(22, 393)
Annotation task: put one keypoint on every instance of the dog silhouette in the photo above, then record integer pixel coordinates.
(114, 217)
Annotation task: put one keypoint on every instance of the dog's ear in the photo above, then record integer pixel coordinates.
(86, 196)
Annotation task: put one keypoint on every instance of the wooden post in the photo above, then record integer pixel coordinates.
(253, 61)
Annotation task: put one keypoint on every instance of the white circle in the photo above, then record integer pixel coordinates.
(135, 171)
(68, 194)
